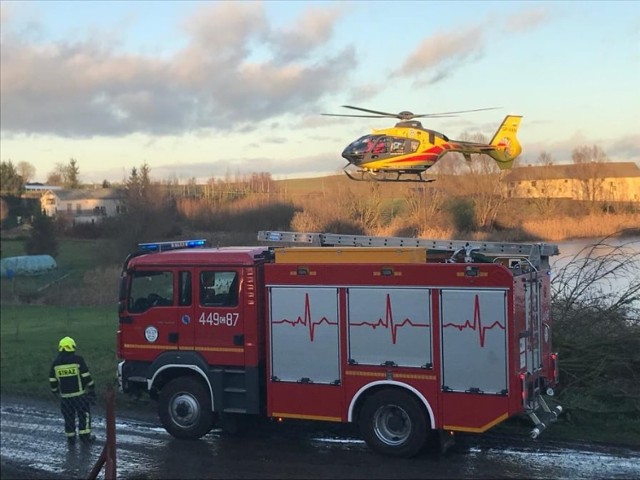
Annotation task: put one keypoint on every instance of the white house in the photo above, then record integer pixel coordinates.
(83, 206)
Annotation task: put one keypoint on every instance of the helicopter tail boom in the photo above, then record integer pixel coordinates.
(506, 145)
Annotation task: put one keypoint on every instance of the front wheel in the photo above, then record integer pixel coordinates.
(393, 423)
(185, 408)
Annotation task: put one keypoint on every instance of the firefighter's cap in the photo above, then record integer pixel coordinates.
(67, 344)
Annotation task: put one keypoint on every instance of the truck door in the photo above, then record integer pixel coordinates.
(157, 303)
(219, 322)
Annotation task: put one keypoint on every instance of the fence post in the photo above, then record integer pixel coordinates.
(110, 472)
(108, 454)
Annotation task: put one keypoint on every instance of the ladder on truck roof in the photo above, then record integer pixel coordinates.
(535, 254)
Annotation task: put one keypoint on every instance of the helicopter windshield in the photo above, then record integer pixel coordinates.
(378, 145)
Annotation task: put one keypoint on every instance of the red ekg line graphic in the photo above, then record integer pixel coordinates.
(389, 323)
(307, 319)
(477, 323)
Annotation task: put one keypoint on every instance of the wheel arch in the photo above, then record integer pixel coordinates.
(171, 365)
(370, 388)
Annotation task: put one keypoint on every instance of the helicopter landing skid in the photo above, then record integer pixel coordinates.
(386, 176)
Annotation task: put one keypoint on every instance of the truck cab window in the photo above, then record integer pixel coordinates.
(218, 289)
(150, 289)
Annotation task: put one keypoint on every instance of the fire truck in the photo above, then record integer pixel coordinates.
(410, 339)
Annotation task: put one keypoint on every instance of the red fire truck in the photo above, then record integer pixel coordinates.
(405, 337)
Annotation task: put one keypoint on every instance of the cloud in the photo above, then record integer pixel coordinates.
(620, 149)
(444, 48)
(82, 88)
(623, 148)
(526, 20)
(311, 31)
(443, 53)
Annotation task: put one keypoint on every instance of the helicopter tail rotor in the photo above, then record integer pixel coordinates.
(505, 143)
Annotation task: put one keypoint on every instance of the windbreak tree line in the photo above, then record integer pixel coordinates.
(596, 314)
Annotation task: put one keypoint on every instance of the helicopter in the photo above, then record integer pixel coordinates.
(404, 152)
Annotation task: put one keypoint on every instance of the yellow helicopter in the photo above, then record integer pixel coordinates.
(404, 152)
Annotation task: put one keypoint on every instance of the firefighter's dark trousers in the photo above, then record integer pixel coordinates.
(80, 407)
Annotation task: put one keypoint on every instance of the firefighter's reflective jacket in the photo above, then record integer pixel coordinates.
(69, 376)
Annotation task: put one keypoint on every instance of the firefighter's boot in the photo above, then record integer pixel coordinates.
(87, 438)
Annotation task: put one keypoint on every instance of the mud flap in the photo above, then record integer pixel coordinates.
(445, 439)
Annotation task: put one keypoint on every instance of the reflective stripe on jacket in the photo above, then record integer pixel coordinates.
(69, 375)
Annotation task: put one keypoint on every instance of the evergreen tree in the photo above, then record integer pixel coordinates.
(72, 171)
(43, 239)
(11, 182)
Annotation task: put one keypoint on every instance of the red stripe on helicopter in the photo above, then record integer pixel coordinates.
(430, 155)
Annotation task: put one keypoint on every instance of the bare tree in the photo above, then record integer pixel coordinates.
(483, 182)
(65, 175)
(546, 187)
(55, 177)
(591, 182)
(424, 204)
(26, 171)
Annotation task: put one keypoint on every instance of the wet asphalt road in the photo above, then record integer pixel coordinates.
(33, 447)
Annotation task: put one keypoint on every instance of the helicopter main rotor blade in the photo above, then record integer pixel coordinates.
(358, 116)
(404, 115)
(384, 114)
(423, 115)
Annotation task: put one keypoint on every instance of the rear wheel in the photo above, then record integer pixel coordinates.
(393, 423)
(185, 408)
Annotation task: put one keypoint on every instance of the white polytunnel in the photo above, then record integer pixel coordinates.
(27, 265)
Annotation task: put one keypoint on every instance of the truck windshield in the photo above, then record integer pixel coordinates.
(150, 289)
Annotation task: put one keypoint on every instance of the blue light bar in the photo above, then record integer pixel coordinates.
(164, 246)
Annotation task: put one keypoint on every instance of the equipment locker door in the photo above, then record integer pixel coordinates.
(474, 358)
(304, 350)
(474, 340)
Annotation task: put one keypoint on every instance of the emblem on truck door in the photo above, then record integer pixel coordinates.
(151, 334)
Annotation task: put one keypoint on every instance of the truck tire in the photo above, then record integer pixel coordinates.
(393, 423)
(184, 407)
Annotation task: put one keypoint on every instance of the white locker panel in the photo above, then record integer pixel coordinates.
(390, 325)
(304, 334)
(474, 340)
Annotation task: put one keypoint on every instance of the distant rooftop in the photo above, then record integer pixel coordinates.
(572, 170)
(79, 194)
(36, 187)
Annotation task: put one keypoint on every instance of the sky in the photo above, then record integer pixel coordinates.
(207, 89)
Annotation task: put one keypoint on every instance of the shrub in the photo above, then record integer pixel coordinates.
(597, 333)
(43, 239)
(463, 217)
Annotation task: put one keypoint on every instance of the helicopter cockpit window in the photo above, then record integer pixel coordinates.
(362, 145)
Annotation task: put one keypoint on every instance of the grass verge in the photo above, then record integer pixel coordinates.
(29, 336)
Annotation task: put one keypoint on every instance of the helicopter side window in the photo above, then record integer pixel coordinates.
(412, 145)
(397, 146)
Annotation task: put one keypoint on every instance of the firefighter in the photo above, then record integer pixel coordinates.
(70, 378)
